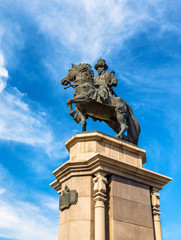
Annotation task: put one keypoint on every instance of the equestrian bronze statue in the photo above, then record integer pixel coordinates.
(94, 97)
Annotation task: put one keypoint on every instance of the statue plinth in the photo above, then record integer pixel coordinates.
(117, 197)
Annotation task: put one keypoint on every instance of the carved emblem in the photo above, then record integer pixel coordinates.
(68, 198)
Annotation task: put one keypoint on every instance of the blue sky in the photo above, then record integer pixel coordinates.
(141, 42)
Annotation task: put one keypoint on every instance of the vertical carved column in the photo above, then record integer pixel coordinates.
(99, 198)
(156, 214)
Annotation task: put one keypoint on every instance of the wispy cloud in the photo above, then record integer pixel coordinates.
(23, 219)
(3, 73)
(94, 28)
(48, 202)
(85, 30)
(89, 28)
(19, 123)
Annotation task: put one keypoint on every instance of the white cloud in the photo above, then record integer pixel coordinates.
(21, 124)
(2, 191)
(49, 202)
(22, 219)
(94, 28)
(3, 73)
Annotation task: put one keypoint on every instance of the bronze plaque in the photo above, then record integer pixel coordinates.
(68, 198)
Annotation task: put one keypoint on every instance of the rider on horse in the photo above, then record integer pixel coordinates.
(104, 83)
(94, 97)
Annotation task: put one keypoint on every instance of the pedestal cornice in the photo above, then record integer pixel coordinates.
(108, 165)
(83, 146)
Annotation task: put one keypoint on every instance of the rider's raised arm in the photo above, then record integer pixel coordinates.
(113, 79)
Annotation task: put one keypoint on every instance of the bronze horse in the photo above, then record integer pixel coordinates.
(118, 114)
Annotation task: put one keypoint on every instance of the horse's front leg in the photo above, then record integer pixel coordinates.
(82, 119)
(77, 99)
(71, 111)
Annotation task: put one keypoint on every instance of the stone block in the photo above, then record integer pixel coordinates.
(82, 184)
(126, 231)
(83, 210)
(132, 212)
(75, 230)
(85, 145)
(130, 190)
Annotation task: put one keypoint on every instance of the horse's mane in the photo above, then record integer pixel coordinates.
(83, 67)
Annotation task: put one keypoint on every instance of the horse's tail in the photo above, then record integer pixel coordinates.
(133, 127)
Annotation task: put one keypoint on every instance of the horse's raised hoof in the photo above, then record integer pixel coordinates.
(72, 113)
(76, 118)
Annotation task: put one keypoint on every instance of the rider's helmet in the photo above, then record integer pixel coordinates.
(101, 63)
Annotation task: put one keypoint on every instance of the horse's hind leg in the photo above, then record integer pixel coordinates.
(114, 125)
(124, 127)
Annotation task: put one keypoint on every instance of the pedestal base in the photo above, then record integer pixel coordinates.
(129, 210)
(77, 222)
(114, 190)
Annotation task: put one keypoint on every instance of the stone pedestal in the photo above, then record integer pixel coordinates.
(117, 197)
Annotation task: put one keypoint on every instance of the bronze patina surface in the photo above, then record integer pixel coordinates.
(94, 97)
(68, 198)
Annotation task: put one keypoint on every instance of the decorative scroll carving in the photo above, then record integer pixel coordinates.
(100, 188)
(99, 198)
(156, 214)
(156, 203)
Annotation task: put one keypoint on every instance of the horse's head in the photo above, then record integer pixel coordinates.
(75, 70)
(70, 76)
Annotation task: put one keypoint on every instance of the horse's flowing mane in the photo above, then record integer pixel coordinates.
(83, 67)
